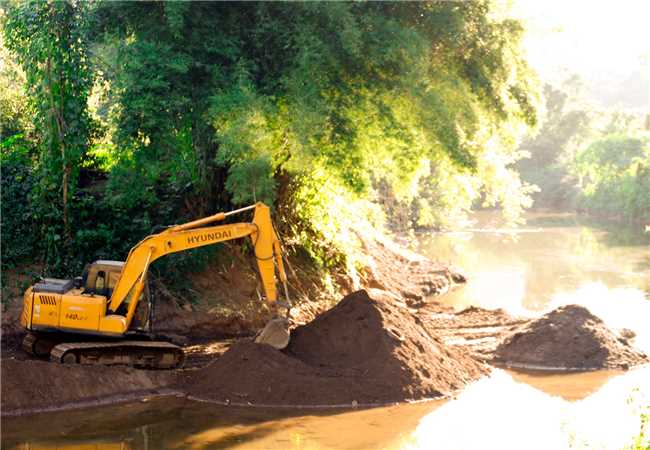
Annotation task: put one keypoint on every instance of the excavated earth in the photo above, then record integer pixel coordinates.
(31, 385)
(362, 351)
(389, 343)
(568, 338)
(475, 329)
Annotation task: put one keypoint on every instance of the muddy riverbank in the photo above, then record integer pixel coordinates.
(29, 384)
(390, 343)
(433, 353)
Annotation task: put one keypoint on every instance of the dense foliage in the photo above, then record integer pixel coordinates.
(151, 113)
(48, 39)
(566, 125)
(614, 177)
(589, 159)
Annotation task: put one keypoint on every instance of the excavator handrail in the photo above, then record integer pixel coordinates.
(213, 218)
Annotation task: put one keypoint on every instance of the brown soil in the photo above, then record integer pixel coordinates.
(386, 267)
(401, 345)
(475, 329)
(232, 286)
(362, 350)
(392, 353)
(30, 385)
(569, 337)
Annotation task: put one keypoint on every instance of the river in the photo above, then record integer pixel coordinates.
(554, 259)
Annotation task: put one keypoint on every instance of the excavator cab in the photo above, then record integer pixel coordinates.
(101, 277)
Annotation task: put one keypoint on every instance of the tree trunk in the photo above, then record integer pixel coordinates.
(66, 178)
(57, 112)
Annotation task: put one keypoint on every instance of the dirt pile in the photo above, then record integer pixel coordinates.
(30, 385)
(569, 337)
(405, 274)
(362, 350)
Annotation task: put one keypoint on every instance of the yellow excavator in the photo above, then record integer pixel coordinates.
(92, 319)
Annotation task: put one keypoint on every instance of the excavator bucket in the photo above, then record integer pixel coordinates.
(275, 333)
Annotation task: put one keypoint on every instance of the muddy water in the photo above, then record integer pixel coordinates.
(553, 256)
(553, 260)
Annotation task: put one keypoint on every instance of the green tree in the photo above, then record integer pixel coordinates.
(164, 61)
(230, 102)
(49, 41)
(14, 107)
(614, 177)
(19, 231)
(310, 106)
(567, 124)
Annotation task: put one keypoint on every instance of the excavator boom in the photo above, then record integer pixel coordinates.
(190, 235)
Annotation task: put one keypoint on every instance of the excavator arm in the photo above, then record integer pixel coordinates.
(193, 235)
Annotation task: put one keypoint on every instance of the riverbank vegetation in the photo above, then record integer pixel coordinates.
(120, 117)
(588, 159)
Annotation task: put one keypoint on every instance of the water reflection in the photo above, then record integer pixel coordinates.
(203, 426)
(498, 412)
(523, 270)
(569, 386)
(385, 428)
(117, 445)
(506, 410)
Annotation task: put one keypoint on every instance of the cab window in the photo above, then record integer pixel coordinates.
(112, 279)
(100, 282)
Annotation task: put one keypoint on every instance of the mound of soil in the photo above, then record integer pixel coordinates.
(569, 337)
(30, 385)
(362, 351)
(405, 274)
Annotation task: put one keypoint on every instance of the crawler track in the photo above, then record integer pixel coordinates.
(142, 354)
